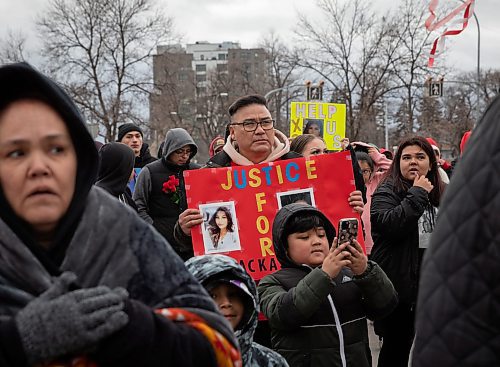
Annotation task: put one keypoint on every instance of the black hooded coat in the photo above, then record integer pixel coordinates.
(457, 316)
(103, 243)
(116, 161)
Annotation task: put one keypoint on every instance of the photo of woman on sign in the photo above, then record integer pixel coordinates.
(220, 229)
(313, 127)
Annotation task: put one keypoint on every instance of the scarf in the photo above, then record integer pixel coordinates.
(280, 148)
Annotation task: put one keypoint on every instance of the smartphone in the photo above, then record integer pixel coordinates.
(348, 230)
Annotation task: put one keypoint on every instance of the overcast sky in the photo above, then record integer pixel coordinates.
(247, 21)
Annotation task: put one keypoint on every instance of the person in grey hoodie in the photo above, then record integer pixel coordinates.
(219, 272)
(159, 192)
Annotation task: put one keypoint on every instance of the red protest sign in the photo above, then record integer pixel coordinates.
(239, 204)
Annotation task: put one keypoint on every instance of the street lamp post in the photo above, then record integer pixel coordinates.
(478, 86)
(271, 92)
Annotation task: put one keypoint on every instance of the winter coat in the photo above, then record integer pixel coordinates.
(157, 207)
(104, 243)
(316, 320)
(394, 219)
(144, 157)
(210, 267)
(457, 321)
(116, 162)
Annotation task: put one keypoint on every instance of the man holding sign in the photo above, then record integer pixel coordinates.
(252, 139)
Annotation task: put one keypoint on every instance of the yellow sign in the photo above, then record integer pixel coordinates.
(318, 118)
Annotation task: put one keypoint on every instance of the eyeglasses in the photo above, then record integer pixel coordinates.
(366, 171)
(317, 151)
(251, 125)
(183, 151)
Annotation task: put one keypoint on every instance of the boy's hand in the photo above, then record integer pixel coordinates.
(337, 258)
(358, 258)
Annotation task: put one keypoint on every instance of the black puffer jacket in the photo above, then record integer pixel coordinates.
(458, 317)
(394, 219)
(144, 157)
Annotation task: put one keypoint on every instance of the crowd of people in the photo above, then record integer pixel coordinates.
(97, 264)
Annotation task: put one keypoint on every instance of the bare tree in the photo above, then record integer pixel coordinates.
(353, 51)
(100, 50)
(410, 67)
(13, 47)
(283, 70)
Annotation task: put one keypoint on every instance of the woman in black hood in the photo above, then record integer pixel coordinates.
(80, 274)
(116, 164)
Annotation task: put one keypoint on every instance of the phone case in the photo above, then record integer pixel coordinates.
(348, 230)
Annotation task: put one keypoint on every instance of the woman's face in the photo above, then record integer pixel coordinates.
(366, 170)
(221, 219)
(313, 129)
(414, 162)
(37, 163)
(314, 147)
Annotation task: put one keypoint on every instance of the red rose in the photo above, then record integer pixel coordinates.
(171, 185)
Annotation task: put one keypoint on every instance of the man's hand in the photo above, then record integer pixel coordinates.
(188, 219)
(337, 258)
(423, 182)
(356, 201)
(358, 258)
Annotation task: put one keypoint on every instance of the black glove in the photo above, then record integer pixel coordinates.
(59, 322)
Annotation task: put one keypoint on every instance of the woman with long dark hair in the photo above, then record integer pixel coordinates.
(221, 228)
(403, 214)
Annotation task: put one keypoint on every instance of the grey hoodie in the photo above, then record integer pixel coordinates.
(175, 139)
(210, 267)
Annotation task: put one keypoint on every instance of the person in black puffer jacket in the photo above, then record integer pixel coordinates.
(116, 164)
(159, 193)
(458, 322)
(402, 215)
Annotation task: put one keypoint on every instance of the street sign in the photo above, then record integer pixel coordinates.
(435, 87)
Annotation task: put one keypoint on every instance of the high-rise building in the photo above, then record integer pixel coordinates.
(195, 84)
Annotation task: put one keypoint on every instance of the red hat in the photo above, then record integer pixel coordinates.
(433, 144)
(464, 140)
(216, 146)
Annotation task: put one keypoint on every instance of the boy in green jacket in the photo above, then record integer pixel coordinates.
(317, 304)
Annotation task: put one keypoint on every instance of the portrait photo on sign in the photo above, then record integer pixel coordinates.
(313, 127)
(220, 227)
(305, 196)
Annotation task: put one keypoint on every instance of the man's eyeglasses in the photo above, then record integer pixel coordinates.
(366, 171)
(183, 151)
(251, 125)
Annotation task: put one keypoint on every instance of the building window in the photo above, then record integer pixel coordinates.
(222, 56)
(221, 67)
(202, 57)
(201, 67)
(182, 77)
(201, 78)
